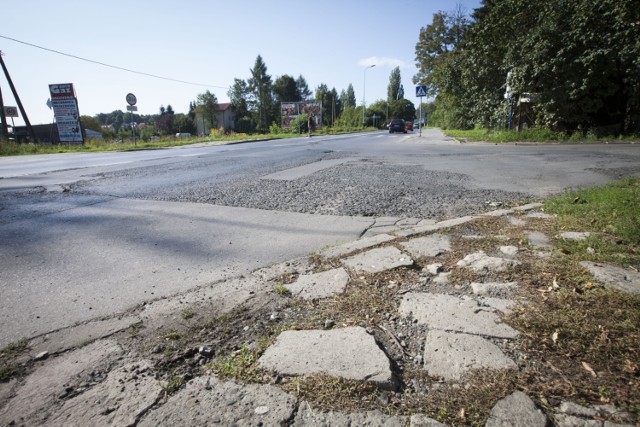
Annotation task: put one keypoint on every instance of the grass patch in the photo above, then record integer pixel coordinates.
(611, 212)
(187, 313)
(281, 289)
(8, 355)
(172, 335)
(529, 135)
(241, 364)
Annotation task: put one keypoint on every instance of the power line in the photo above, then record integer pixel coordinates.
(111, 66)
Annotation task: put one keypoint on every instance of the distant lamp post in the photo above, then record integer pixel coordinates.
(364, 86)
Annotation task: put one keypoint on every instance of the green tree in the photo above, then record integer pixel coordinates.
(403, 109)
(260, 86)
(324, 95)
(207, 106)
(351, 97)
(394, 87)
(285, 89)
(92, 123)
(304, 94)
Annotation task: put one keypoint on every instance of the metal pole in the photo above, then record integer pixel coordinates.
(17, 98)
(364, 86)
(420, 119)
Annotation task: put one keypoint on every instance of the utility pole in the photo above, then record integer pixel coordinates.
(17, 98)
(5, 128)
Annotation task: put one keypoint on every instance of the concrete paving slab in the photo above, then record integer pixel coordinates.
(482, 263)
(47, 382)
(539, 215)
(320, 285)
(517, 222)
(348, 353)
(126, 394)
(427, 246)
(76, 336)
(451, 356)
(206, 401)
(456, 221)
(357, 245)
(377, 260)
(494, 289)
(576, 236)
(510, 251)
(308, 416)
(516, 409)
(420, 229)
(500, 304)
(498, 212)
(615, 277)
(421, 420)
(454, 314)
(528, 207)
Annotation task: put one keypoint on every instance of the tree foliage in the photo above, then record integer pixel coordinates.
(207, 105)
(260, 87)
(394, 87)
(579, 58)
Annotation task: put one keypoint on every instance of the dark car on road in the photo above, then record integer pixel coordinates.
(397, 125)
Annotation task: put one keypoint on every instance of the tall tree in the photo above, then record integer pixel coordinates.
(207, 105)
(260, 86)
(394, 87)
(351, 97)
(324, 95)
(239, 97)
(285, 89)
(304, 94)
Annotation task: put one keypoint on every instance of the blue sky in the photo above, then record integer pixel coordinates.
(205, 42)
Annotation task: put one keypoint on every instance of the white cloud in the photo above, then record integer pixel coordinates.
(382, 62)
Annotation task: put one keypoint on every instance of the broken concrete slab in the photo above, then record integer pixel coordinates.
(500, 304)
(378, 260)
(498, 212)
(528, 207)
(482, 263)
(517, 222)
(454, 314)
(207, 401)
(320, 285)
(421, 420)
(76, 336)
(441, 278)
(456, 221)
(516, 409)
(347, 248)
(510, 251)
(434, 269)
(577, 236)
(419, 229)
(308, 416)
(539, 215)
(427, 246)
(494, 289)
(614, 277)
(349, 353)
(451, 356)
(538, 240)
(126, 394)
(43, 386)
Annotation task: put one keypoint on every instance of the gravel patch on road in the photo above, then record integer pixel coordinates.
(357, 188)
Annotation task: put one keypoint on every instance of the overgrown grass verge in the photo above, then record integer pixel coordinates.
(611, 213)
(530, 135)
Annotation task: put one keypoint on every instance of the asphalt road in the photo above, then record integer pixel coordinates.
(84, 236)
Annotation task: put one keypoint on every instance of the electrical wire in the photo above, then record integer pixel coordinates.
(111, 66)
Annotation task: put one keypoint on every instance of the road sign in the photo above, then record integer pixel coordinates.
(421, 91)
(11, 112)
(131, 99)
(132, 108)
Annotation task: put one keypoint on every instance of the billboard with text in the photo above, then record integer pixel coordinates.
(290, 110)
(65, 111)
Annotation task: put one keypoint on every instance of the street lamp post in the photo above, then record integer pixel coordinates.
(364, 86)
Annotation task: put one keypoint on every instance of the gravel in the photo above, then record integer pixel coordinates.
(367, 187)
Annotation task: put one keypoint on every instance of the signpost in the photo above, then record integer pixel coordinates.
(420, 92)
(132, 101)
(11, 112)
(65, 111)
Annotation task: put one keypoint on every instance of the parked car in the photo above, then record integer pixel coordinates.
(397, 125)
(409, 125)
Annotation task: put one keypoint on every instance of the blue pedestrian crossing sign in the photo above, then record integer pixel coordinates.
(421, 91)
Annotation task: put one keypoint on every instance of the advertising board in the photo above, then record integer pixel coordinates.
(66, 113)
